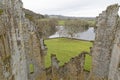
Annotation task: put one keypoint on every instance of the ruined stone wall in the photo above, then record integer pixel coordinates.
(73, 70)
(106, 50)
(114, 68)
(21, 47)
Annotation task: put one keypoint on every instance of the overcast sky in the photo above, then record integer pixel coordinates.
(80, 8)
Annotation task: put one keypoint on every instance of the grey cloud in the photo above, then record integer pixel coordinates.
(70, 7)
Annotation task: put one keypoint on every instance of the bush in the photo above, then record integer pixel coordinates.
(47, 27)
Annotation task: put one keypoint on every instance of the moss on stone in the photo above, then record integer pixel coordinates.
(1, 11)
(6, 58)
(31, 68)
(29, 17)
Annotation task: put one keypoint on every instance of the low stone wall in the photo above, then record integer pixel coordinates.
(73, 70)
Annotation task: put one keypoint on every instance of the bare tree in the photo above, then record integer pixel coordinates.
(47, 27)
(75, 26)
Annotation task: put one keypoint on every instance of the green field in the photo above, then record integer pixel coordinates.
(61, 22)
(65, 49)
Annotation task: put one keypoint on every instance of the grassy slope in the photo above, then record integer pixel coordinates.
(67, 48)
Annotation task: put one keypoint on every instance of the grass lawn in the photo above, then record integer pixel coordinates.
(65, 49)
(61, 22)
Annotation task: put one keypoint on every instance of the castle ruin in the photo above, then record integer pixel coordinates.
(22, 48)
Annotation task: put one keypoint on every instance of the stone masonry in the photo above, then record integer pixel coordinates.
(72, 70)
(22, 49)
(106, 50)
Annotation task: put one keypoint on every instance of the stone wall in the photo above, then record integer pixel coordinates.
(106, 50)
(22, 49)
(72, 70)
(114, 68)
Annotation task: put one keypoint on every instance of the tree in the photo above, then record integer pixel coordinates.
(75, 26)
(47, 27)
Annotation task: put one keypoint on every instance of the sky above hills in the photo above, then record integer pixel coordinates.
(78, 8)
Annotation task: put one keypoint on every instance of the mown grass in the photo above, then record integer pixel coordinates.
(61, 22)
(65, 49)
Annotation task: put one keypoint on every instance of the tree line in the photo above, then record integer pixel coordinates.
(47, 26)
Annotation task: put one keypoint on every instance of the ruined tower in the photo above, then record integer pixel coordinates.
(21, 47)
(106, 50)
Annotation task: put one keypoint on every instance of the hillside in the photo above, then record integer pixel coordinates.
(32, 15)
(70, 17)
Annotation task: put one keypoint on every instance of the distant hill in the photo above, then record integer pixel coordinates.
(68, 17)
(32, 15)
(28, 13)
